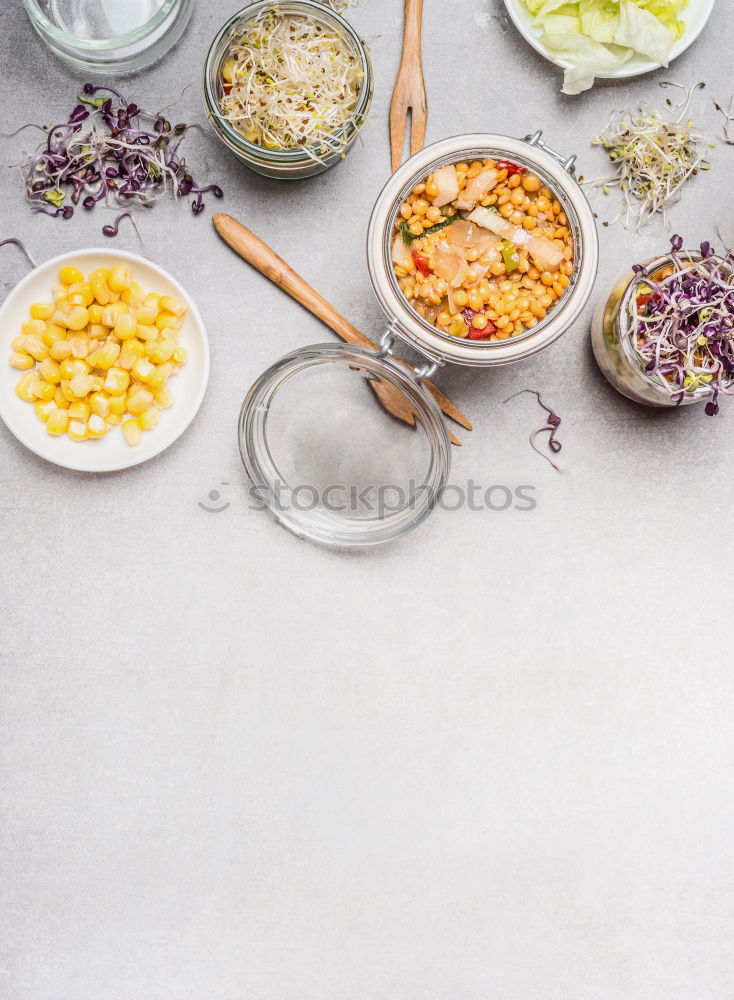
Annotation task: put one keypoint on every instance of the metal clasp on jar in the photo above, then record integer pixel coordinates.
(387, 344)
(567, 162)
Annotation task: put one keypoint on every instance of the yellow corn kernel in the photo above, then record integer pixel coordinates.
(161, 351)
(160, 376)
(138, 400)
(147, 332)
(125, 325)
(120, 278)
(79, 344)
(167, 321)
(53, 334)
(143, 369)
(42, 310)
(73, 366)
(33, 328)
(97, 383)
(81, 385)
(79, 410)
(17, 343)
(118, 404)
(146, 314)
(172, 305)
(117, 381)
(95, 312)
(133, 432)
(44, 409)
(77, 430)
(105, 356)
(152, 301)
(66, 390)
(113, 419)
(164, 397)
(24, 387)
(83, 289)
(70, 275)
(98, 283)
(96, 426)
(43, 389)
(60, 350)
(180, 355)
(229, 69)
(132, 351)
(57, 421)
(149, 418)
(50, 370)
(133, 295)
(60, 399)
(22, 361)
(99, 403)
(60, 318)
(35, 347)
(112, 311)
(78, 318)
(97, 332)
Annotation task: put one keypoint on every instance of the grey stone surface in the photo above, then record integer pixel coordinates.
(491, 760)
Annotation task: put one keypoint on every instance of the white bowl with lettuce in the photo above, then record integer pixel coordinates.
(609, 39)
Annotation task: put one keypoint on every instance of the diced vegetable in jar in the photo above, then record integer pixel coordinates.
(483, 250)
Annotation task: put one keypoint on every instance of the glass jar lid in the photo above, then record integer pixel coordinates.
(330, 462)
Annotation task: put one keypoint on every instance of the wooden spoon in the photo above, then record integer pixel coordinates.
(410, 90)
(252, 249)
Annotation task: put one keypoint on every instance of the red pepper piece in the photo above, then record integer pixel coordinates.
(511, 168)
(227, 88)
(642, 300)
(474, 334)
(421, 263)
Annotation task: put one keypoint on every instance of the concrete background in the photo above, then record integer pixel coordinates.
(494, 759)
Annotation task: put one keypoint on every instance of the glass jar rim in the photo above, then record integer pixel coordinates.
(289, 156)
(321, 525)
(100, 44)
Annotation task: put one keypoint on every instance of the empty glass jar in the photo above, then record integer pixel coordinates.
(109, 36)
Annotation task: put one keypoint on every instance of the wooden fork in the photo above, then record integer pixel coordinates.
(262, 257)
(410, 90)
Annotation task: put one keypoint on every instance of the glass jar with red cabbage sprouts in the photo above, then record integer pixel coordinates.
(681, 323)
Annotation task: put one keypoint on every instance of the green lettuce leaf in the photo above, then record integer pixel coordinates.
(599, 19)
(600, 35)
(668, 12)
(642, 31)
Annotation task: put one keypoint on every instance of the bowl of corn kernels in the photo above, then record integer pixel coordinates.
(104, 360)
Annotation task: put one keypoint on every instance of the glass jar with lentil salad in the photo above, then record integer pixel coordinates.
(507, 265)
(285, 455)
(478, 282)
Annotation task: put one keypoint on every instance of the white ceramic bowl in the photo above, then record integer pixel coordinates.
(695, 16)
(112, 451)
